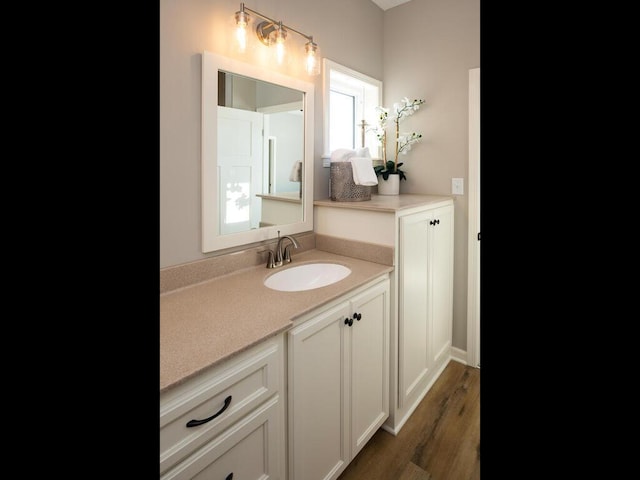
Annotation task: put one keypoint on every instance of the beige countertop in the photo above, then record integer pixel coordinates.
(206, 323)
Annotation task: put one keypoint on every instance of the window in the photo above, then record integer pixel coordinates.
(350, 99)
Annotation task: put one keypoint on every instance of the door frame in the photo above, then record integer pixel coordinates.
(473, 232)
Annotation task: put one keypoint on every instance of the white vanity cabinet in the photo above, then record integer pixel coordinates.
(227, 422)
(338, 367)
(420, 230)
(425, 301)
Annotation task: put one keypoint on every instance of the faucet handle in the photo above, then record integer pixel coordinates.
(270, 262)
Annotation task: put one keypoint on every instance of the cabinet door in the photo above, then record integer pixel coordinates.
(317, 379)
(368, 347)
(441, 281)
(413, 306)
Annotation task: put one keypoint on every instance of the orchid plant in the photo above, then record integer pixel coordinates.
(404, 141)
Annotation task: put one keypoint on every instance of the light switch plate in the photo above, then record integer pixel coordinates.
(457, 186)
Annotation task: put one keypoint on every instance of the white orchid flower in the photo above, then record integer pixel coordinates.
(404, 141)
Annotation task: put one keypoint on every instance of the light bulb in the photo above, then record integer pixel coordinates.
(241, 35)
(242, 20)
(312, 58)
(281, 35)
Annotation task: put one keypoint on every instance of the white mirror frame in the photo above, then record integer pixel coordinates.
(211, 239)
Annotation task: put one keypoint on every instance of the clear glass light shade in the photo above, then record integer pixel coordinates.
(241, 36)
(242, 21)
(312, 58)
(281, 35)
(272, 32)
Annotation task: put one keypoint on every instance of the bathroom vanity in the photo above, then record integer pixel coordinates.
(298, 382)
(420, 230)
(238, 359)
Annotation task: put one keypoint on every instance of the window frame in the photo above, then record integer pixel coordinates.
(359, 82)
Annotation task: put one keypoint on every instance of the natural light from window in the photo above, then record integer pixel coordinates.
(342, 120)
(350, 101)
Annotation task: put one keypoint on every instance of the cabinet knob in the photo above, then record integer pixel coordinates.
(229, 477)
(357, 316)
(348, 321)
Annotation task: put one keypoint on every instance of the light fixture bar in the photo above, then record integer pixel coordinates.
(264, 31)
(308, 37)
(274, 23)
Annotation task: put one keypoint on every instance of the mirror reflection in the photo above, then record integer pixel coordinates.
(257, 154)
(260, 153)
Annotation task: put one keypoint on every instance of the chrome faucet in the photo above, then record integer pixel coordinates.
(282, 256)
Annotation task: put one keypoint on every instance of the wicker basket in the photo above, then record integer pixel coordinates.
(341, 186)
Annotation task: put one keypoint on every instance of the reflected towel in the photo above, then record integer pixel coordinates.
(363, 172)
(296, 172)
(342, 155)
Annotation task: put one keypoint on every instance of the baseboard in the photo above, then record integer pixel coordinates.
(458, 355)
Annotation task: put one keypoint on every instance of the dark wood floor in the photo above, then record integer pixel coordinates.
(440, 441)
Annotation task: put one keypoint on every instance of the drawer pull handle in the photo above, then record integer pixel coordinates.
(229, 477)
(195, 423)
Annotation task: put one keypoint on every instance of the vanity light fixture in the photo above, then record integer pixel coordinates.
(274, 32)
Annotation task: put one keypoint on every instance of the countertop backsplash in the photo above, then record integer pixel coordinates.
(187, 274)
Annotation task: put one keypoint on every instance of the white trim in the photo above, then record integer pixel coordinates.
(211, 239)
(284, 107)
(328, 67)
(473, 266)
(458, 355)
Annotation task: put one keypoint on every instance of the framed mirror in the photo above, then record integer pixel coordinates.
(257, 154)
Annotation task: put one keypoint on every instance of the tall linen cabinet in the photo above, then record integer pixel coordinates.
(420, 229)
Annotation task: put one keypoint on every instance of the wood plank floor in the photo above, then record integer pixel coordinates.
(440, 441)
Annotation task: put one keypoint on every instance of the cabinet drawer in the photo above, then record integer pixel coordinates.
(248, 380)
(247, 451)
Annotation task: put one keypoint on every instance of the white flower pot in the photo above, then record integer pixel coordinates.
(391, 186)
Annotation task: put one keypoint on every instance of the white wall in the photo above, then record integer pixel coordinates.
(423, 48)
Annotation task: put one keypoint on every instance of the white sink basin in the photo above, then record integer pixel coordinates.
(307, 277)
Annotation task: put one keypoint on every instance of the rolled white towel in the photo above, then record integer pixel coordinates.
(296, 172)
(342, 155)
(363, 172)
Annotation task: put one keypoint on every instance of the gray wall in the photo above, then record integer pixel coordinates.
(423, 48)
(347, 32)
(429, 47)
